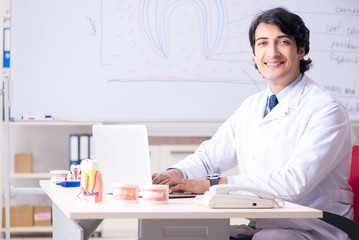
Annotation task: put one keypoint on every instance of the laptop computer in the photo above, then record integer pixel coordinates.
(123, 156)
(122, 153)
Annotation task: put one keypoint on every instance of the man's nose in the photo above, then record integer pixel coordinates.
(273, 51)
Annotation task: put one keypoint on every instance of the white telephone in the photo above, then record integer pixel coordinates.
(236, 196)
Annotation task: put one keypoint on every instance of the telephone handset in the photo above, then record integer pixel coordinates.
(236, 196)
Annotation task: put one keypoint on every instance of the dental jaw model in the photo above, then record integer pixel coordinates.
(91, 181)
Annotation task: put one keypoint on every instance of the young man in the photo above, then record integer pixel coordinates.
(293, 139)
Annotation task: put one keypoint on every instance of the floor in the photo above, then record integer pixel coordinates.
(45, 238)
(104, 236)
(50, 238)
(111, 230)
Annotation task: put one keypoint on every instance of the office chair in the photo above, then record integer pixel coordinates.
(350, 227)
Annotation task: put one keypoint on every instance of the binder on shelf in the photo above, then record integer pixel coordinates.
(6, 48)
(84, 147)
(92, 148)
(81, 147)
(74, 149)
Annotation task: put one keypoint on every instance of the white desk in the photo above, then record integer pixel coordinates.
(67, 207)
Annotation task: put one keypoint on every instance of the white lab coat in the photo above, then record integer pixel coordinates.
(301, 151)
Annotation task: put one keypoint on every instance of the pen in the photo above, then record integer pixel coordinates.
(46, 117)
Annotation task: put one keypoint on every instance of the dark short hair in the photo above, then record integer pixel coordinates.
(290, 24)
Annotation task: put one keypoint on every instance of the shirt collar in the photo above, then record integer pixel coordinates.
(285, 90)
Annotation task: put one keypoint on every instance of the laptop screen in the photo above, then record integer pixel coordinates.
(123, 154)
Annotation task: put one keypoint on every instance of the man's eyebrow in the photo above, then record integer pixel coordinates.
(261, 38)
(278, 37)
(284, 36)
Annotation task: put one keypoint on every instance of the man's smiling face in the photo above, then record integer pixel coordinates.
(276, 55)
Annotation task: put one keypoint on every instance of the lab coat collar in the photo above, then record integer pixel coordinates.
(288, 104)
(297, 92)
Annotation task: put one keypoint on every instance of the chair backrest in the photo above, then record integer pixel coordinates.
(354, 180)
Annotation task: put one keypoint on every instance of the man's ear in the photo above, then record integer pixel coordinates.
(301, 53)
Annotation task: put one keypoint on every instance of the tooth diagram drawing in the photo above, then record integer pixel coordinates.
(154, 15)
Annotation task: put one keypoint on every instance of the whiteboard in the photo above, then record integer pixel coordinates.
(164, 61)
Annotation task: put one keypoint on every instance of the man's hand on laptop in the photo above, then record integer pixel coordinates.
(197, 185)
(159, 178)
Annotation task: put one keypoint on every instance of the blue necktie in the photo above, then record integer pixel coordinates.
(273, 101)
